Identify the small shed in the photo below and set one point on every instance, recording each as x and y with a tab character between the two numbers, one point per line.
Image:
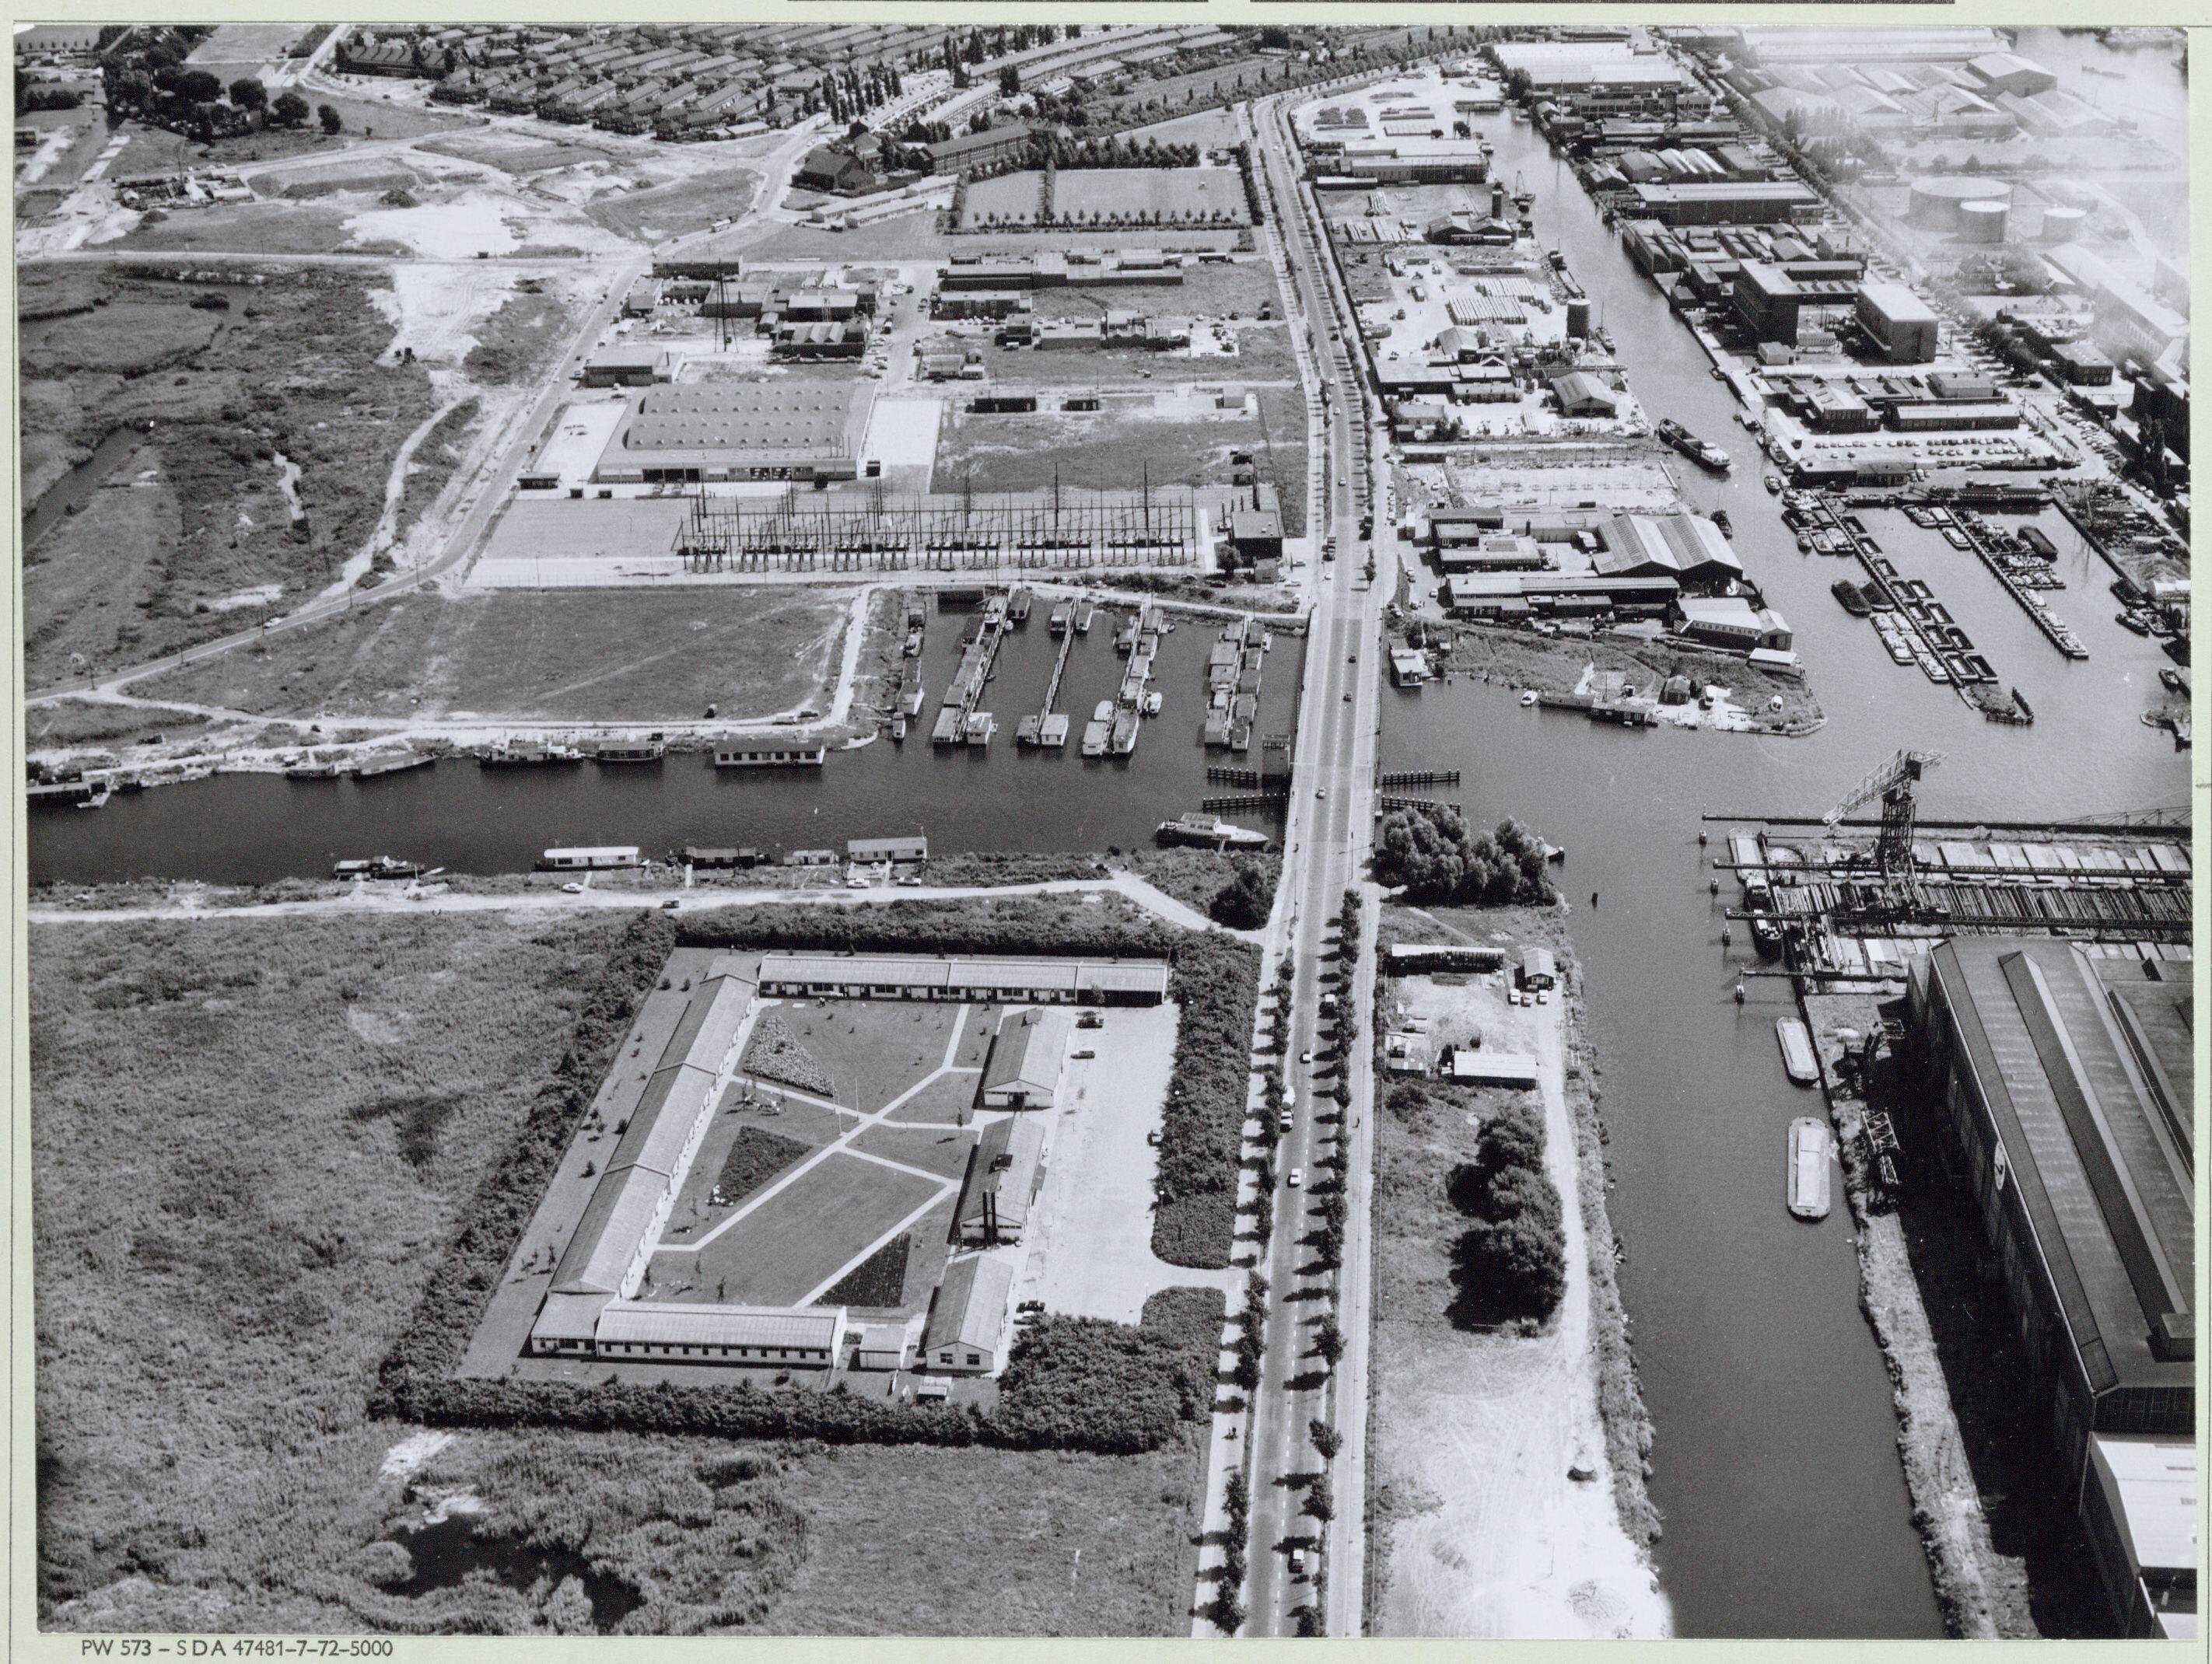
1538	969
882	1347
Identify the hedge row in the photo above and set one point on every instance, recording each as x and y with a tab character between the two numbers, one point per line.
1217	981
1073	1383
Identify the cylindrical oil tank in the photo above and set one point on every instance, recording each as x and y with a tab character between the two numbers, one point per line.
1578	320
1936	197
2063	225
1983	222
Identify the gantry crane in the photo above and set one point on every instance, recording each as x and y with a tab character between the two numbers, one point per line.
1892	783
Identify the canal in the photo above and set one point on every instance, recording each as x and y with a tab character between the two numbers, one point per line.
1775	1463
256	828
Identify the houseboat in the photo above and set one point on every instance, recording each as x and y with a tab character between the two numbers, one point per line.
527	756
1808	1168
631	751
383	866
590	857
760	756
1797	1055
392	763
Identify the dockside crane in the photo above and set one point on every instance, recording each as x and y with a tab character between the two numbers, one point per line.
1892	783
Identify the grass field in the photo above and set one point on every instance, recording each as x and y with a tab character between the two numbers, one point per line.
550	655
944	1152
1135	197
795	1239
945	1101
126	578
663	211
326	1094
874	1049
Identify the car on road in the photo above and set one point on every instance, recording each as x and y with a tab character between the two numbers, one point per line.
1297	1562
1283	1122
670	905
1084	1054
1306	1056
1297	1178
571	889
1322	791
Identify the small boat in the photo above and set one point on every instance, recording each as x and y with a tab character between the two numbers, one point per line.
1063	615
313	771
1955	538
97	799
1797	1055
1152	702
2133	620
1527	695
1766	936
1209	832
1720	519
1853	598
1772	482
1808	1168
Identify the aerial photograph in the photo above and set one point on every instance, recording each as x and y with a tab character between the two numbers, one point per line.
1554	1002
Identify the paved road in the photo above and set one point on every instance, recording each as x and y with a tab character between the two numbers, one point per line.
1330	823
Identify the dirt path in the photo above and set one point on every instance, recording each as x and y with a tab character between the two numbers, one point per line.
1477	1435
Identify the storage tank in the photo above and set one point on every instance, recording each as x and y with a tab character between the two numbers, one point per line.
1578	320
1498	199
1983	222
1936	199
2063	225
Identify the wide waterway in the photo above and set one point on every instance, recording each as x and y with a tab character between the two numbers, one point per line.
1776	1463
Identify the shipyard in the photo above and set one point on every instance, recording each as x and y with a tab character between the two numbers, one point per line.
1261	780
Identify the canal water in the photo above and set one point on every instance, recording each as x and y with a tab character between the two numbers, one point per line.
1775	1463
247	829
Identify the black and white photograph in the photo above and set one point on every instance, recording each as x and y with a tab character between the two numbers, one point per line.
1035	828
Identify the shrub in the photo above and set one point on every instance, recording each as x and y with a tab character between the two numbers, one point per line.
776	1054
1245	901
1511	1262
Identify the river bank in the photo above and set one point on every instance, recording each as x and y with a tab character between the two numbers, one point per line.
1492	1510
1563	664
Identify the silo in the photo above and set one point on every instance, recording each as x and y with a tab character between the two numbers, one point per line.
1936	199
1498	199
1578	320
2063	225
1983	222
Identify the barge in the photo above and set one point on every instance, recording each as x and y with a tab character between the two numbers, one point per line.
1797	1055
1707	455
1808	1168
752	756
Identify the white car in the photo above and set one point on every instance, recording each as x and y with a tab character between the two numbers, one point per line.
571	889
1297	1177
1543	997
1306	1056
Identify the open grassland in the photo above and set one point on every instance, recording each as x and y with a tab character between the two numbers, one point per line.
663	211
796	1239
550	655
297	366
1133	198
248	1144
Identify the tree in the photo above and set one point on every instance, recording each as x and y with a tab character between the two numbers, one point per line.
1329	1340
197	86
1326	1439
1010	81
247	93
1321	1500
1242	903
289	110
328	117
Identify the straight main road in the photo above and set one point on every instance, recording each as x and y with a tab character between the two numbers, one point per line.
1330	823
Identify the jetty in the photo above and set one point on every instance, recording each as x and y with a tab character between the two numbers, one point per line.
1980	539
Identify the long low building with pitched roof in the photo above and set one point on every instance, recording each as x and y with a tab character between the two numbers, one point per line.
1038	979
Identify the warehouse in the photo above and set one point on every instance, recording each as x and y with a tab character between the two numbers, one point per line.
1473	1065
968	1317
626	366
1026	1057
1730	621
1723	202
1510	595
735	430
1582	394
606	1255
928	976
2063	1083
1900	324
762	1336
1003	1173
1687	548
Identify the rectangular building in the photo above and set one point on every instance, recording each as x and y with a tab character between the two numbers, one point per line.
1901	323
967	1319
1003	1173
1722	202
1027	1054
1034	981
2063	1081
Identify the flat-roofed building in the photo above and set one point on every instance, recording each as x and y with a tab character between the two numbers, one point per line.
735	430
1767	302
809	1337
967	1319
898	851
626	366
1722	202
1900	324
1002	1180
1027	1054
2063	1081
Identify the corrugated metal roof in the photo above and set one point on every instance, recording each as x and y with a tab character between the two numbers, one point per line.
710	1022
971	1305
655	1322
606	1237
1028	1051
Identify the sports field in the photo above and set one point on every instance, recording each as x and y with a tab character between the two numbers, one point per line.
1134	197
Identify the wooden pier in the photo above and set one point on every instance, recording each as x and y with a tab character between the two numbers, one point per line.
1247	800
2054	631
1419	777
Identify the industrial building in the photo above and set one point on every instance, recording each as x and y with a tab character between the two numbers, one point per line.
1687	548
1515	597
626	366
1038	980
1900	324
1598	79
2062	1081
968	1317
1026	1057
1724	202
1003	1173
1731	621
606	1255
735	430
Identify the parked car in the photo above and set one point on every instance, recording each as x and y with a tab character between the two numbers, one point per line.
571	889
1297	1177
1297	1562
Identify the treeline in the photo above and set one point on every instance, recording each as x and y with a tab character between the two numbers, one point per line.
1509	1264
151	82
1217	982
1436	856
